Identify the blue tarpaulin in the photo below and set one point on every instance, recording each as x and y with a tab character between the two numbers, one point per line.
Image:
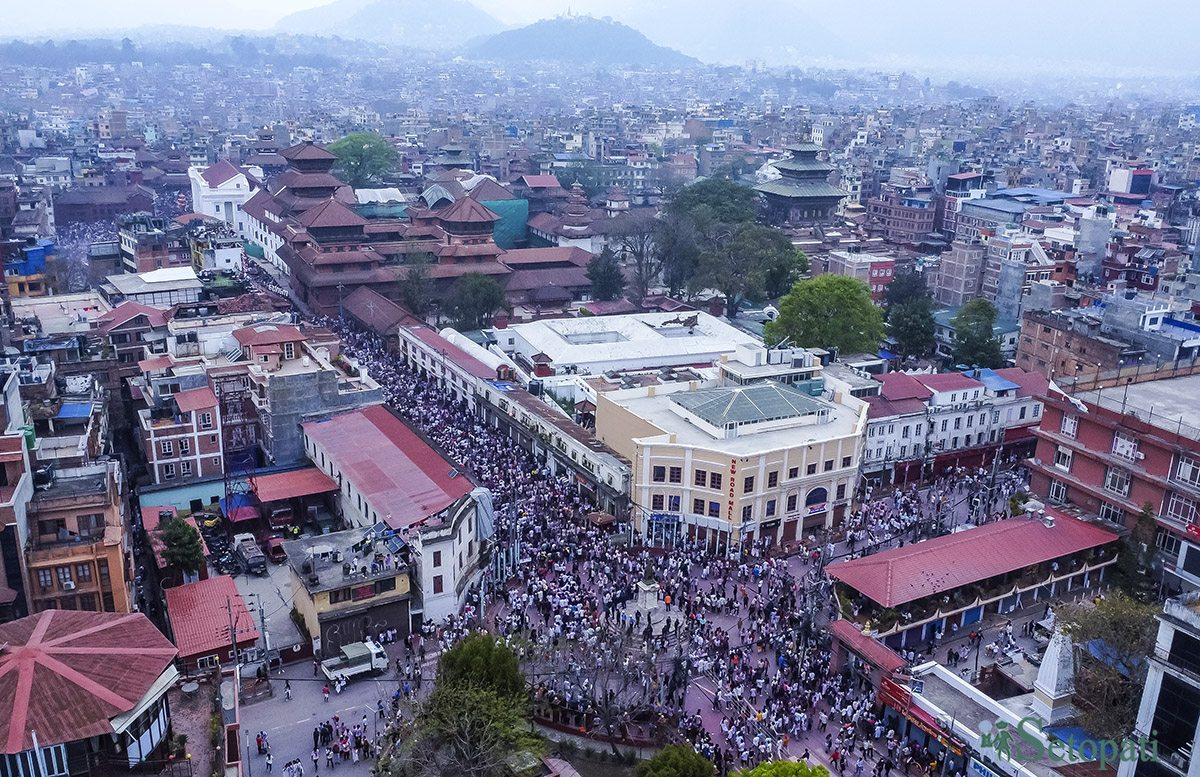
75	410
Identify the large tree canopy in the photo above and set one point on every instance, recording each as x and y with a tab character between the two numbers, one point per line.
472	300
729	202
975	343
829	311
604	271
363	157
747	261
181	545
676	761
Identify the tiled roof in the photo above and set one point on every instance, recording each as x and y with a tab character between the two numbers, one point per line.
306	150
330	213
784	187
376	311
948	381
1029	384
65	674
903	575
467	211
267	334
393	468
195	399
899	385
540	181
874	651
219	173
127	311
200	616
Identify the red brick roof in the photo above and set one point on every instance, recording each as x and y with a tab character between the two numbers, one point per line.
195	399
948	381
1032	384
127	311
65	674
219	173
330	213
874	651
393	468
467	211
286	485
898	386
455	354
200	615
902	575
306	150
268	334
540	181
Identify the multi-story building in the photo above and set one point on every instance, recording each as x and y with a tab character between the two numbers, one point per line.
25	265
920	424
960	188
222	189
181	435
1169	714
729	466
152	243
904	214
394	480
216	247
802	196
1113	451
1070	343
127	328
77	555
875	270
960	273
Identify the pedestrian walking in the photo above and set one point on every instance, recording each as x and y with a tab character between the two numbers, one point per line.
270	762
325	692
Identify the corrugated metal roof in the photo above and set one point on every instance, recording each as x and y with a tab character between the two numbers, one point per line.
287	485
200	616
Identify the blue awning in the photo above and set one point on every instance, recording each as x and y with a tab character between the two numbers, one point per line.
887	355
990	379
75	410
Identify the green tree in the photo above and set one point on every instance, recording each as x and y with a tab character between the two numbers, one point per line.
785	769
181	545
586	172
416	289
1134	571
472	300
676	761
677	247
730	202
484	662
913	327
461	729
363	157
740	260
975	343
905	287
604	271
829	311
1115	636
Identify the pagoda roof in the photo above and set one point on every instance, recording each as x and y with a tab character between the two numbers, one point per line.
466	210
791	187
307	150
330	213
804	147
802	165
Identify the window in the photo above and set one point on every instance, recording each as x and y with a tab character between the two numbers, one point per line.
770	507
714	509
1024	410
167	448
793	473
185	468
437	584
846	460
698	506
64	574
904	432
185	446
83	572
1110	513
1181	509
714	480
829	465
1037	410
437	558
45	578
995	416
958	422
811	469
944	424
676	475
791	503
659	475
701	478
673	503
917	430
656	502
954	442
1058	491
841	491
970	421
747	512
90	525
748	485
1188	471
102	568
205	420
168	471
1117	481
1062	458
289	350
772	479
51	527
1070	426
1124	445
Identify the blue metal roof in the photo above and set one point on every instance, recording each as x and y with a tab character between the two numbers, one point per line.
886	355
75	410
991	380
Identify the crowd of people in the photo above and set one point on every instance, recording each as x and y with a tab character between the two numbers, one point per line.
735	633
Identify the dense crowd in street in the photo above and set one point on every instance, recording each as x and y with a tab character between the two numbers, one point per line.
735	635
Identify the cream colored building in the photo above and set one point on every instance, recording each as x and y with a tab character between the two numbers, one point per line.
732	464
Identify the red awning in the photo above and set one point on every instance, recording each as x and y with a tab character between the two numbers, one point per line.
289	485
874	652
239	514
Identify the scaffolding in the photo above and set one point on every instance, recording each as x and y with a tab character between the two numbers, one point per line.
239	437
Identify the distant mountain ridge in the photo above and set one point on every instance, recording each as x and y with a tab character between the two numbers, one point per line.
423	24
578	40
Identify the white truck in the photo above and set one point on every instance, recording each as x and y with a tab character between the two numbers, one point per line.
252	555
355	659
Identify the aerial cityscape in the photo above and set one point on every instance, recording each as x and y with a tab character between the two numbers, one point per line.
540	389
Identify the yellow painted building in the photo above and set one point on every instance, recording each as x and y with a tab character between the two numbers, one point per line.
766	462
